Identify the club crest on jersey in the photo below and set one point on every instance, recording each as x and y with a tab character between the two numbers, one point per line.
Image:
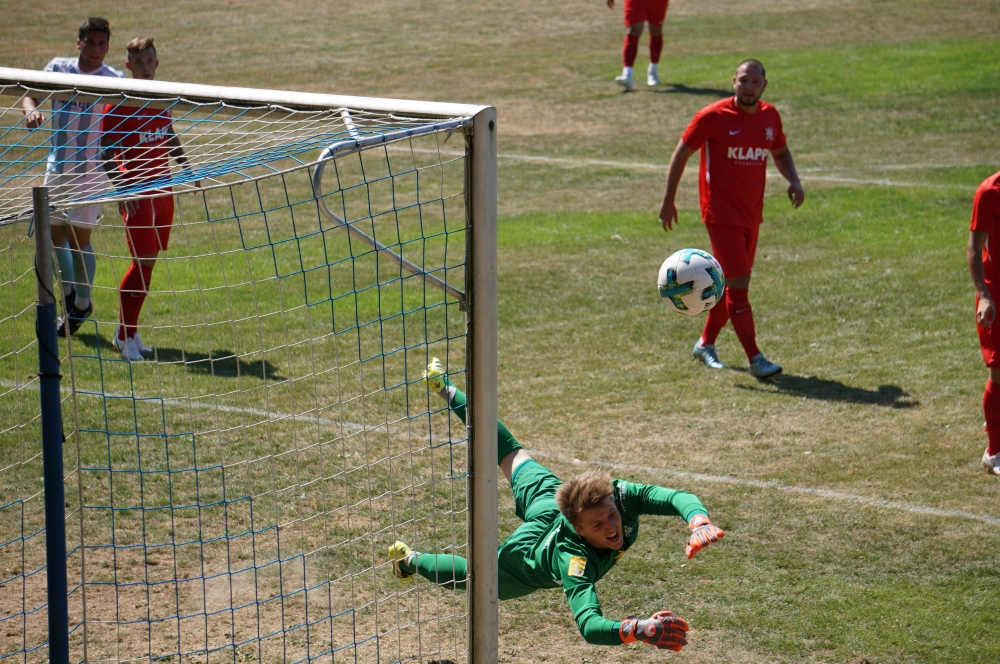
748	154
576	566
769	134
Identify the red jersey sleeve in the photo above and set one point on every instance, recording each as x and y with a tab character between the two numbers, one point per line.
696	133
985	210
111	123
779	135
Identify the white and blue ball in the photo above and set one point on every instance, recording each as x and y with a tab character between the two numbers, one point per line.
691	281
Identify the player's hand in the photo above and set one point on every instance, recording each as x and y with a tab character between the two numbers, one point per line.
668	215
986	311
664	629
34	120
796	194
126	208
703	533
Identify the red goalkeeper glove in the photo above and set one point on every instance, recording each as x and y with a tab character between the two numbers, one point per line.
703	533
664	629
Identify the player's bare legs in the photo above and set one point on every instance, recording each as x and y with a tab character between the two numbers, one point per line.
629	51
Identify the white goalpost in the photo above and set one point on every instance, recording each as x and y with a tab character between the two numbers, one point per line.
231	497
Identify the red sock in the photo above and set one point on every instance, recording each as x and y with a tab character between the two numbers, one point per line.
991	409
630	49
655	47
718	316
132	294
738	306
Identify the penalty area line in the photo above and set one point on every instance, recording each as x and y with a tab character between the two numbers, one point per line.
774	486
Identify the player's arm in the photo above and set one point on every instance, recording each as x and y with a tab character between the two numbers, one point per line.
108	156
986	310
663	629
33	118
786	166
652	499
668	211
176	150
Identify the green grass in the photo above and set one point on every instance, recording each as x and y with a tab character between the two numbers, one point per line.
862	295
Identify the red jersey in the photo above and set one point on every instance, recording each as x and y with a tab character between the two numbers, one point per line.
139	136
734	148
986	219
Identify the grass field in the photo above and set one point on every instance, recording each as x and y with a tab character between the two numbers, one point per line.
859	526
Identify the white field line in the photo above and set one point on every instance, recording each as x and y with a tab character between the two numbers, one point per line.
774	486
804	173
646	470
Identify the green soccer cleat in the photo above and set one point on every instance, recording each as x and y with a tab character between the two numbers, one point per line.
436	377
707	355
398	552
761	367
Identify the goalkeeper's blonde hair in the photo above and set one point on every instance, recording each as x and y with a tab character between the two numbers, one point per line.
583	491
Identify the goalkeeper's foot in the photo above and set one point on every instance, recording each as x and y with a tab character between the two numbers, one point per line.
707	355
400	552
991	463
437	380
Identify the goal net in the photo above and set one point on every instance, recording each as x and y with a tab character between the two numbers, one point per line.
232	497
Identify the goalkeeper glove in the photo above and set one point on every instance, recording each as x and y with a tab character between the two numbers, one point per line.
703	533
664	629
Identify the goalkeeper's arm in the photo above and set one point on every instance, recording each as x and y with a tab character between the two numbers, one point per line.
651	499
663	629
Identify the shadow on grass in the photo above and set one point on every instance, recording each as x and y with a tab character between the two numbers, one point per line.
222	363
681	89
811	387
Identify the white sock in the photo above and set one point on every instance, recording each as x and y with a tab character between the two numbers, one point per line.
627	72
653	67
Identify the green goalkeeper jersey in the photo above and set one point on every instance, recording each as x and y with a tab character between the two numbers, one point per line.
547	552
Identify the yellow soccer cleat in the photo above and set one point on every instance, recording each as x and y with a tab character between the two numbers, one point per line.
397	553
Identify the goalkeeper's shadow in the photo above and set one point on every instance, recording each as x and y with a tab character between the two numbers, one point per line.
217	362
813	387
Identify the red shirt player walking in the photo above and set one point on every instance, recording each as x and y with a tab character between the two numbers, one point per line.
135	144
986	278
735	136
638	13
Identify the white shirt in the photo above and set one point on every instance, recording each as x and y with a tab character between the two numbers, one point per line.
76	125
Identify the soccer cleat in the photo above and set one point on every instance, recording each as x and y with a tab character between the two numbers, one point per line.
398	552
143	348
127	348
707	355
760	367
652	76
626	82
991	463
73	320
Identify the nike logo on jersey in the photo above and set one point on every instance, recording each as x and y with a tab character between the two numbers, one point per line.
733	133
748	154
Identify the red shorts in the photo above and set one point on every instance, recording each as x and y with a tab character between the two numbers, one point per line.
989	339
148	228
734	247
640	11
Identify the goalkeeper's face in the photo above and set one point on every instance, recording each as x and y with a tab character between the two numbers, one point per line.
601	525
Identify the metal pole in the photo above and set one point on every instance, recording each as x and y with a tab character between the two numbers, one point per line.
52	433
482	298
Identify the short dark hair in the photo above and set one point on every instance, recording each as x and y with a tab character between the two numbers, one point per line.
752	61
94	24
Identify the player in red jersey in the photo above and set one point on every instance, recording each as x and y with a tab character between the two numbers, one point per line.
735	136
986	279
135	144
637	13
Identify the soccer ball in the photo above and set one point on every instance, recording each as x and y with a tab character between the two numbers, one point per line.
691	281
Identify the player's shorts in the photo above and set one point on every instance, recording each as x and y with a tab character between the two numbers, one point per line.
734	247
534	488
148	228
66	187
989	338
645	11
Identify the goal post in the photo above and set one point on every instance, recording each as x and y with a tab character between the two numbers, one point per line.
232	495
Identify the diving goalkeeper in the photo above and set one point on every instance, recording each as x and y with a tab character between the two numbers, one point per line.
573	533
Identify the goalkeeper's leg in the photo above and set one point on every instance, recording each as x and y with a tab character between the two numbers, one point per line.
510	454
